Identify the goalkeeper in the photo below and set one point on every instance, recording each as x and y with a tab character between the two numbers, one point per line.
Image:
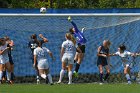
81	42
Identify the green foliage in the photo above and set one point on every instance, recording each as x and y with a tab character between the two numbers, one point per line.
71	3
29	3
108	3
137	4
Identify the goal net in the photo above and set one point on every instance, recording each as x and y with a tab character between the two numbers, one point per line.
118	28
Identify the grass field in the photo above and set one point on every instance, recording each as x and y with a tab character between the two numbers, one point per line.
75	88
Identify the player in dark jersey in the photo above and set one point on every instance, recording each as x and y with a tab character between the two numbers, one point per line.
102	61
10	44
81	42
32	45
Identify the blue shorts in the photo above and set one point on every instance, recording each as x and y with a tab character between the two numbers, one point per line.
11	61
102	61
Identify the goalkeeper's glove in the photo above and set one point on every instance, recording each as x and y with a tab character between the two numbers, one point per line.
69	19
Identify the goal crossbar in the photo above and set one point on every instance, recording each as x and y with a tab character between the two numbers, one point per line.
76	14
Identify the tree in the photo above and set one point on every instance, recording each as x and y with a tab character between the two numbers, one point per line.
70	3
137	4
107	4
3	4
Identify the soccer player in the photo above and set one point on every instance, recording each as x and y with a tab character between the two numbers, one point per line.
32	45
4	60
40	60
10	44
81	41
67	56
127	64
103	58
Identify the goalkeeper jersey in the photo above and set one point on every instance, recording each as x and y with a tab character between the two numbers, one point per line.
78	35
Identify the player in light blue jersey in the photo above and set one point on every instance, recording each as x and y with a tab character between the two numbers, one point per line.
40	60
32	45
4	60
81	42
67	56
127	64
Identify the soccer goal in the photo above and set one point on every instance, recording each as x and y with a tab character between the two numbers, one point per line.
119	28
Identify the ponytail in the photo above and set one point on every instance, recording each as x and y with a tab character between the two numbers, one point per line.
70	37
73	40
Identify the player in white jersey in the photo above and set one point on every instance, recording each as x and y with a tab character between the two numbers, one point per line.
40	56
4	60
10	44
127	64
67	56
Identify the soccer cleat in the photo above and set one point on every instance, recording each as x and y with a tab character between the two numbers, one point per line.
38	81
75	74
10	82
0	81
69	83
59	82
51	83
104	81
129	82
101	83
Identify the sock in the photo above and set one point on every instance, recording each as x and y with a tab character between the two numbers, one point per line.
50	78
106	76
127	77
3	74
37	73
101	77
12	76
77	67
37	77
8	76
61	75
0	75
43	76
70	76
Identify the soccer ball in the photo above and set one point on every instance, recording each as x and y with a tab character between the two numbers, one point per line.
43	10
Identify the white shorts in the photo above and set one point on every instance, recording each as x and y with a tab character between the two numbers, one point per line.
68	59
4	60
43	64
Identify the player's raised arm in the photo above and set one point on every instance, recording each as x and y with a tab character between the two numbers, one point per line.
44	38
74	25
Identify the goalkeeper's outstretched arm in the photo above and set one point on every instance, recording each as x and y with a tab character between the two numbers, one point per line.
74	25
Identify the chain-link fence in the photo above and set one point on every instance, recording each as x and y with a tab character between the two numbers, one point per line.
118	29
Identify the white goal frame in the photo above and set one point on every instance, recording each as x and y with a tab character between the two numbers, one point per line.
71	14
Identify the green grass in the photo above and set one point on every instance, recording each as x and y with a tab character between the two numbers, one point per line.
75	88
